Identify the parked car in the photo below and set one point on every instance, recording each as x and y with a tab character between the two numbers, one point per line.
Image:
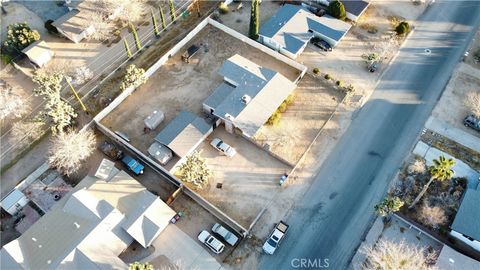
472	122
223	147
211	242
275	238
228	236
133	165
322	44
160	152
111	151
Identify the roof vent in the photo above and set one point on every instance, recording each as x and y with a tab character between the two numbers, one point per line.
76	225
229	117
246	99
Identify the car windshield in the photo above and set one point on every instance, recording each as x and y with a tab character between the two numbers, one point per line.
219	144
271	242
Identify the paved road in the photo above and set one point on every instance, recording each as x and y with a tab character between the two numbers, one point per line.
332	217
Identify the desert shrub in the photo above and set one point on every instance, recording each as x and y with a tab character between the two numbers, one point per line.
12	103
388	255
223	8
432	216
274	118
402	28
338	83
134	77
327	76
81	75
316	71
337	10
283	107
417	167
195	170
25	132
289	100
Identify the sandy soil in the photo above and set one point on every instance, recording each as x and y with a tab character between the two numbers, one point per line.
178	86
249	179
239	20
450	108
315	101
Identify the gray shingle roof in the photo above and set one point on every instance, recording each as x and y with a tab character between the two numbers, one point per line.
290	26
183	133
266	88
355	7
467	220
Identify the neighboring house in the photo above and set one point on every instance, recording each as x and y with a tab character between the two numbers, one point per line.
466	226
292	27
355	8
249	95
90	227
14	202
184	133
75	25
39	53
449	259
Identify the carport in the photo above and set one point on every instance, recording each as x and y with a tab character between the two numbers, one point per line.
184	133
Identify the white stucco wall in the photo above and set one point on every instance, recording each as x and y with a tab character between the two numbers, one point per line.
474	244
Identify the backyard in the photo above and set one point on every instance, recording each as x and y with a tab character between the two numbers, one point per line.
178	86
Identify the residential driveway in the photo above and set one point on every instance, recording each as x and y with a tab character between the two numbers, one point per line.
181	250
249	179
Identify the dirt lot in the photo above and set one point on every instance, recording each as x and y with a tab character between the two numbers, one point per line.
196	219
239	20
450	108
178	86
315	101
249	179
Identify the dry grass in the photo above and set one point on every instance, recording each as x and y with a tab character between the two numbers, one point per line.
472	101
432	216
387	255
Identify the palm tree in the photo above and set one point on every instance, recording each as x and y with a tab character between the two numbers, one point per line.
440	170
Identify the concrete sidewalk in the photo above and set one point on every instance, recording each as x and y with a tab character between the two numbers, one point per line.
453	133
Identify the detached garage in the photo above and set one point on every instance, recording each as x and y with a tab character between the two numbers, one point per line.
184	133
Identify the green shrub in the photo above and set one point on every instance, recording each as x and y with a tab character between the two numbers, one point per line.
19	36
327	77
223	8
6	58
339	83
316	71
402	28
337	10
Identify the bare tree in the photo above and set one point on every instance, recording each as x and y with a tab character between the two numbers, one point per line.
69	149
102	27
432	216
25	132
12	103
388	255
472	101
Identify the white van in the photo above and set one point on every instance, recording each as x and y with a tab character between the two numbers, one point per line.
211	242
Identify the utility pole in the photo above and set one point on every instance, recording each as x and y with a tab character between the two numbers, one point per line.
76	95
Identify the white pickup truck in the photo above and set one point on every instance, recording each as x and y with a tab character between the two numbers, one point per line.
275	237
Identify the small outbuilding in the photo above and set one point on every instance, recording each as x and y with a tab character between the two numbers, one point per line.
39	53
14	202
354	8
184	133
75	25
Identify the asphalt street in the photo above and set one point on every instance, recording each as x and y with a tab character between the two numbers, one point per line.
331	219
